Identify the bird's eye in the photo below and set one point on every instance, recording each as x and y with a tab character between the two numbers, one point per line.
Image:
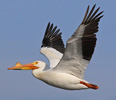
36	62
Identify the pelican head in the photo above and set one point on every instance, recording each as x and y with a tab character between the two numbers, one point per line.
37	67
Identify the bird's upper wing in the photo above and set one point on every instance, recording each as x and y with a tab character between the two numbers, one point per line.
80	46
52	45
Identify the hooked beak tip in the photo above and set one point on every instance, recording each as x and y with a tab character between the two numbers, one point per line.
9	68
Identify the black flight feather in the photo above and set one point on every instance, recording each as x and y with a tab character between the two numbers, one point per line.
53	38
91	21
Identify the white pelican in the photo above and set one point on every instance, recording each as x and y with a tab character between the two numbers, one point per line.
67	66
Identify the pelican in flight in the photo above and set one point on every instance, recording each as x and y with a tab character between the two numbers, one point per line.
67	65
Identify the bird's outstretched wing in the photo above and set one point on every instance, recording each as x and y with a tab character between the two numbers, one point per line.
80	46
52	45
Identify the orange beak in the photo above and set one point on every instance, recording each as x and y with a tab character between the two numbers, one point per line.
19	66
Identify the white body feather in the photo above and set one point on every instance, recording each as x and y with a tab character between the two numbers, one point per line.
60	80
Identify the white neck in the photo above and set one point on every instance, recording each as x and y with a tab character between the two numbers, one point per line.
37	72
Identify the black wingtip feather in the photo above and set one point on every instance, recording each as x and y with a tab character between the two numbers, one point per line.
53	39
88	18
90	14
91	20
85	14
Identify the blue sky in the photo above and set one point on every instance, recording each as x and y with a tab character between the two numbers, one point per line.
22	26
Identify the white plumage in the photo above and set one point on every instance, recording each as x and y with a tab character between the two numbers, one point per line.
53	55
